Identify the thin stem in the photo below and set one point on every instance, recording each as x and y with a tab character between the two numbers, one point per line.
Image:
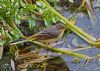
62	51
72	53
13	26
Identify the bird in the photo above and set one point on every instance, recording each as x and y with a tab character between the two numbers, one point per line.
48	35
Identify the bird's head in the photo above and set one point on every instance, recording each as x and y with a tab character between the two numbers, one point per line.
60	26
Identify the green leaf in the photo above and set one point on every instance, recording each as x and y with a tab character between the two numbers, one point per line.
13	35
54	1
2	31
29	7
32	23
8	36
2	10
46	22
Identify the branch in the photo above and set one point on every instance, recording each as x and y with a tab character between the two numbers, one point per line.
54	49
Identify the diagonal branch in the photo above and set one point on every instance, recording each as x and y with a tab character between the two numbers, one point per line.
54	49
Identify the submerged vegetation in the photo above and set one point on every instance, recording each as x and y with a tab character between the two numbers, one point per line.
21	20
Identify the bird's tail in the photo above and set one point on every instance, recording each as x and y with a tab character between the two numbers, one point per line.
22	40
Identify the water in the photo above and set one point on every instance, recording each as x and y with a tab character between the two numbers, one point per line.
85	24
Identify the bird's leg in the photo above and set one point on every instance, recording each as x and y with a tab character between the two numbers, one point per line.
47	52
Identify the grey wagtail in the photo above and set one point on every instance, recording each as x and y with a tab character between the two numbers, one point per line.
48	35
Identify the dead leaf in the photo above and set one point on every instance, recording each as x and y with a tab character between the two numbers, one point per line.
91	12
12	65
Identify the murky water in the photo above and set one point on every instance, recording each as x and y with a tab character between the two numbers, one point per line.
84	23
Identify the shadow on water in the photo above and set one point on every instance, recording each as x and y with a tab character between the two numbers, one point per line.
84	23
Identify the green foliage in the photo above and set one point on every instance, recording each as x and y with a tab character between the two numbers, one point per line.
5	37
49	17
12	12
32	23
55	1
